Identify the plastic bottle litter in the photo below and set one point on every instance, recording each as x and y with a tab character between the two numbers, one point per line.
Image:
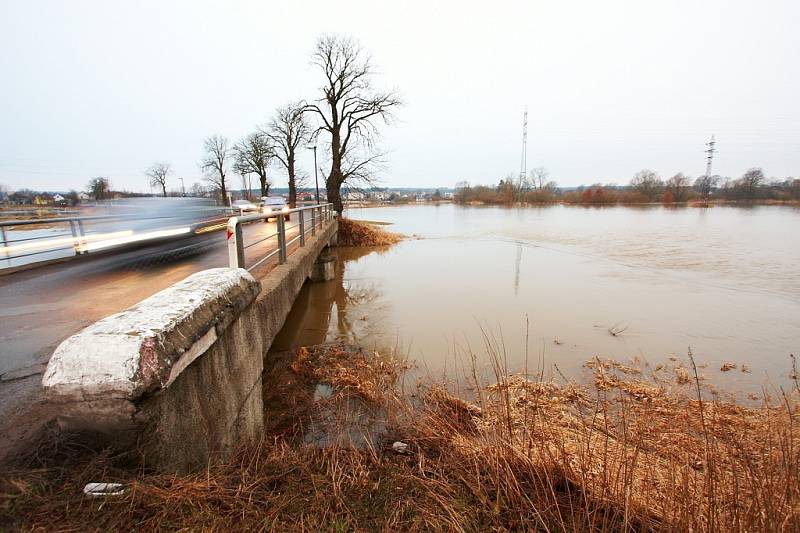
400	447
104	489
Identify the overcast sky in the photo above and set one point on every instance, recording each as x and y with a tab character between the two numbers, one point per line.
106	88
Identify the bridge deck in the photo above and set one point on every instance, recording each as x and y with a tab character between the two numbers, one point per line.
41	307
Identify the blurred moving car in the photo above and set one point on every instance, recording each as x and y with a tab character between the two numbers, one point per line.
244	206
274	205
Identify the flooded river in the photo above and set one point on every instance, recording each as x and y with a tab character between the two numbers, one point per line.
553	283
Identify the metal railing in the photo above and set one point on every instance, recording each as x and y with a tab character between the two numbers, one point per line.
319	216
51	242
74	233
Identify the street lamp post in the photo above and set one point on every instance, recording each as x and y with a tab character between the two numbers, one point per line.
316	177
183	187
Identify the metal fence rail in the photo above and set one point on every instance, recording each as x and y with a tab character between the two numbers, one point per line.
71	233
319	215
52	242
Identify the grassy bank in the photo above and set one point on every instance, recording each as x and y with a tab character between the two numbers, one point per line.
623	452
358	233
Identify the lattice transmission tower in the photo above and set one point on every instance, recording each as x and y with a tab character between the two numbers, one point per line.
523	167
711	150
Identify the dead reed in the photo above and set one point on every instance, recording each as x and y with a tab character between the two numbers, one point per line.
357	233
624	452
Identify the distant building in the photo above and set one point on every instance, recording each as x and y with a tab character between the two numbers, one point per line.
306	197
354	195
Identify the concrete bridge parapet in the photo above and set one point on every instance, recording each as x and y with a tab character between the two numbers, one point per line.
178	376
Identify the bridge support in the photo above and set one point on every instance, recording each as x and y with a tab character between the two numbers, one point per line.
324	268
177	377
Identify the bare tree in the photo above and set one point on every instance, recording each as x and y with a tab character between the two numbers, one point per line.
157	174
99	188
678	187
215	163
648	184
750	182
288	129
539	177
252	156
350	111
198	190
705	184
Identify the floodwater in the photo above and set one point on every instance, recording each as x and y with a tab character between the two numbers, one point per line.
551	284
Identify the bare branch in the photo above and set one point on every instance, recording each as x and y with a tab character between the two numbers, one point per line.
252	155
157	174
215	163
288	130
351	111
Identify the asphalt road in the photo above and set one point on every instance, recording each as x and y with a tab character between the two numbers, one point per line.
41	307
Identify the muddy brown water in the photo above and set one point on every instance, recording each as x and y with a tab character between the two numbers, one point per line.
548	283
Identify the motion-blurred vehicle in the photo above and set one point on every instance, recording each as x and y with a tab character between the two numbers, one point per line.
244	206
274	205
158	228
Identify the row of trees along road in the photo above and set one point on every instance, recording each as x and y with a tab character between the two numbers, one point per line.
345	118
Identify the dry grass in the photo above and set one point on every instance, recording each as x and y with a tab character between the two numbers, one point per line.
357	233
625	452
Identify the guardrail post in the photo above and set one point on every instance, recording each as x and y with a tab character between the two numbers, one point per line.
5	241
235	244
281	239
302	216
313	221
82	234
76	241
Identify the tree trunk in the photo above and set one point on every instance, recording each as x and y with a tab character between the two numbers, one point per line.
335	180
292	182
334	195
223	191
264	186
164	189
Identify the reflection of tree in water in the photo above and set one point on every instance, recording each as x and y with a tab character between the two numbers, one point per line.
310	320
349	297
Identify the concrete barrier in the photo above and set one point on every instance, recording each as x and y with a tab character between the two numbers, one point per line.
178	376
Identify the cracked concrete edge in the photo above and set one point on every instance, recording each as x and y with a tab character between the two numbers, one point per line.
134	352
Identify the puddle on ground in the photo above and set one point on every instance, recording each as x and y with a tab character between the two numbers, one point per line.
344	420
315	413
322	391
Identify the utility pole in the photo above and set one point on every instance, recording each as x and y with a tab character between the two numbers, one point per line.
183	187
711	150
316	177
523	167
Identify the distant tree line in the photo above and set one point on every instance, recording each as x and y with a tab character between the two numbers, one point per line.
97	189
645	187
